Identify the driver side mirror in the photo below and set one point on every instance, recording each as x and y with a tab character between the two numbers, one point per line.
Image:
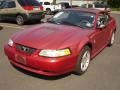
100	25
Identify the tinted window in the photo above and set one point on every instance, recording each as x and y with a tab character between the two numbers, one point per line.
90	5
99	6
84	5
11	4
46	3
67	5
8	4
21	2
41	3
2	4
29	3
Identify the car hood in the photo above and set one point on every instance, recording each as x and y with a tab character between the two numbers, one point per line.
49	36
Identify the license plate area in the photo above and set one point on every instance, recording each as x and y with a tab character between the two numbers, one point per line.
36	9
20	59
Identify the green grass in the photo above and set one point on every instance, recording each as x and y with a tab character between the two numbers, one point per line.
115	9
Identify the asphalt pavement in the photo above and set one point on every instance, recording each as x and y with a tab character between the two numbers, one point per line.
103	73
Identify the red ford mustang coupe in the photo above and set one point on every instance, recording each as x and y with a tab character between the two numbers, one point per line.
65	43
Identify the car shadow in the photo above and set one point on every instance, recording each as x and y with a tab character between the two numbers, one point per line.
41	76
33	22
1	28
26	23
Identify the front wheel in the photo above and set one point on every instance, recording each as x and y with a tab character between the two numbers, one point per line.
20	20
83	61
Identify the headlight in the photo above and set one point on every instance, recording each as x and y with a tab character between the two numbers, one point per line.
55	53
10	42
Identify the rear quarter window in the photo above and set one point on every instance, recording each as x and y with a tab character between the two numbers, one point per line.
11	4
28	2
22	2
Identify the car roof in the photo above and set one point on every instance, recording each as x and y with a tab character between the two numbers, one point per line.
91	10
7	0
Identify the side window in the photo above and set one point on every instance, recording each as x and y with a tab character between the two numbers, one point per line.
11	4
107	17
90	6
84	6
41	3
46	3
21	2
3	5
0	3
102	19
67	5
99	6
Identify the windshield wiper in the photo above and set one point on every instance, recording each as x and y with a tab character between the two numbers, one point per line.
69	23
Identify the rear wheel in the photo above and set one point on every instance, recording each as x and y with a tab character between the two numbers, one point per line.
20	20
0	18
48	11
38	21
83	61
112	40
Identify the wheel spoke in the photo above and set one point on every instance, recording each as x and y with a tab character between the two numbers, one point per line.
85	61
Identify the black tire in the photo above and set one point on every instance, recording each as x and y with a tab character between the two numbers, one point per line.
48	11
38	21
112	39
78	69
0	18
20	20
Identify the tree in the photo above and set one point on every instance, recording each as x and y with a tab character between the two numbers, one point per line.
54	1
70	2
114	3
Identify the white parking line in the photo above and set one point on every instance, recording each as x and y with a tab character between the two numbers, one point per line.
8	26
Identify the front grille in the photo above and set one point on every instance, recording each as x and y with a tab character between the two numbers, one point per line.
25	49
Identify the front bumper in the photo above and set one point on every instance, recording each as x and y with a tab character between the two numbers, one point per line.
41	65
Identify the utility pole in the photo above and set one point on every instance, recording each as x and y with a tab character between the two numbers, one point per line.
71	3
54	1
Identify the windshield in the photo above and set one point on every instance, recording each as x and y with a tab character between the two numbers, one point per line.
74	18
29	2
2	4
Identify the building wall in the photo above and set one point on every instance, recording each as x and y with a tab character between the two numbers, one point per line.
46	0
75	2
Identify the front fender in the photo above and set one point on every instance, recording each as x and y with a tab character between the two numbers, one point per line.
82	44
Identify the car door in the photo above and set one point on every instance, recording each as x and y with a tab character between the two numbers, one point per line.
2	9
101	35
10	9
